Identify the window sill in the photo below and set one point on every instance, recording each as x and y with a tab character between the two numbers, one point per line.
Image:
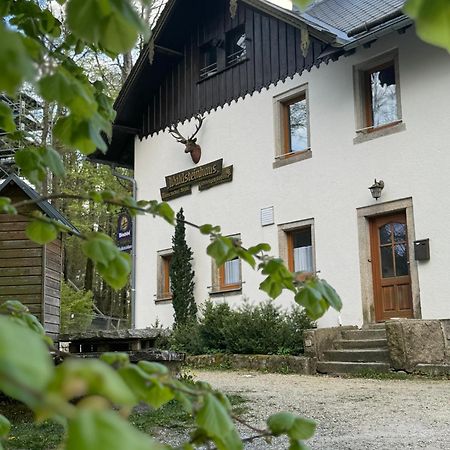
290	158
163	300
224	69
226	292
367	134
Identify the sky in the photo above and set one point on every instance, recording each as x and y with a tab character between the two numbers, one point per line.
283	3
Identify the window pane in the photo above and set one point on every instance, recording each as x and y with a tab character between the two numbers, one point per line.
302	250
387	263
401	260
298	126
399	232
385	234
232	272
384	96
236	45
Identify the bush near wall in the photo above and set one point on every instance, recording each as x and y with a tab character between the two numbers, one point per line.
263	329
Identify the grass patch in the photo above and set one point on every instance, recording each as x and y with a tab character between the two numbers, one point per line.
26	434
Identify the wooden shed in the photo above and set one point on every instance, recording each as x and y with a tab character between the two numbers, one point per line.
29	272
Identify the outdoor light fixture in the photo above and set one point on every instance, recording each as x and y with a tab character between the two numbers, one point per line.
376	189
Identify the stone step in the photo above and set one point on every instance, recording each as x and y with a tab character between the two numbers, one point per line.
434	370
359	343
364	334
375	326
339	367
358	355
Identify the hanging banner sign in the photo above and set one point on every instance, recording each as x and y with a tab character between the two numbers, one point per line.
125	232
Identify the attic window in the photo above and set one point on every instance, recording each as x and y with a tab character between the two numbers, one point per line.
208	60
236	45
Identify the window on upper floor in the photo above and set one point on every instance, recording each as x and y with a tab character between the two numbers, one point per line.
380	96
235	42
292	126
208	60
295	124
163	282
377	97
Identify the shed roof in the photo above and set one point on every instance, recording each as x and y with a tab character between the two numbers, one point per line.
47	208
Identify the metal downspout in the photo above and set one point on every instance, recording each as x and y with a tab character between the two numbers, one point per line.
133	245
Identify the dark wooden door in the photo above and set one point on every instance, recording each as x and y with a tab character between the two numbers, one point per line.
390	267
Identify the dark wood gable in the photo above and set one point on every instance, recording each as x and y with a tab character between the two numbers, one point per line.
166	86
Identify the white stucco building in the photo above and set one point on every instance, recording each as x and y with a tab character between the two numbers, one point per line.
304	146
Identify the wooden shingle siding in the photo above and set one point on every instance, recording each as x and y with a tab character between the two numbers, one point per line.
273	54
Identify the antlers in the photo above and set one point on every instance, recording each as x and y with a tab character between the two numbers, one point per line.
180	138
191	146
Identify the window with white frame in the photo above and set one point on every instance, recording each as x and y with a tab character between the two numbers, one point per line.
296	246
228	276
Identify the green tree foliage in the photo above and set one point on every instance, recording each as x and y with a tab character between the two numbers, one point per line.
181	275
76	309
92	398
251	329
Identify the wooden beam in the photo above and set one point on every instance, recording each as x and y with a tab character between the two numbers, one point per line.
125	129
168	51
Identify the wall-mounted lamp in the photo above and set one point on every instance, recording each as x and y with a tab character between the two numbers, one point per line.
376	189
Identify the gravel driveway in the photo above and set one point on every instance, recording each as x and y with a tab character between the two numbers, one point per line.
351	413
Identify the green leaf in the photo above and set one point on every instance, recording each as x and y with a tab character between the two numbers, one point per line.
297	445
311	299
302	429
432	20
83	134
100	248
215	421
114	25
53	161
259	248
5	426
25	363
152	368
31	164
146	388
76	378
329	294
280	423
115	359
219	249
116	272
6	118
209	229
6	207
69	91
16	65
302	4
41	232
105	430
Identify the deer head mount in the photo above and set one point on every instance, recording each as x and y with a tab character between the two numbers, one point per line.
191	143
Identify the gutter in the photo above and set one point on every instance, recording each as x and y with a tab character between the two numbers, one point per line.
133	245
367	26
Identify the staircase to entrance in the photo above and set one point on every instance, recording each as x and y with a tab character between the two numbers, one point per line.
357	351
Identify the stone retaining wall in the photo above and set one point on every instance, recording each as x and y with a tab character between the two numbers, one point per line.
413	343
302	365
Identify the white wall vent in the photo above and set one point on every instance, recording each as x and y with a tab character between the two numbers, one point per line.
267	216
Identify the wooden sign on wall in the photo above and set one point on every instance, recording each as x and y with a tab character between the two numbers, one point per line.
206	176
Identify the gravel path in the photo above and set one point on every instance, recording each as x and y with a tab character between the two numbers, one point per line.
351	413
